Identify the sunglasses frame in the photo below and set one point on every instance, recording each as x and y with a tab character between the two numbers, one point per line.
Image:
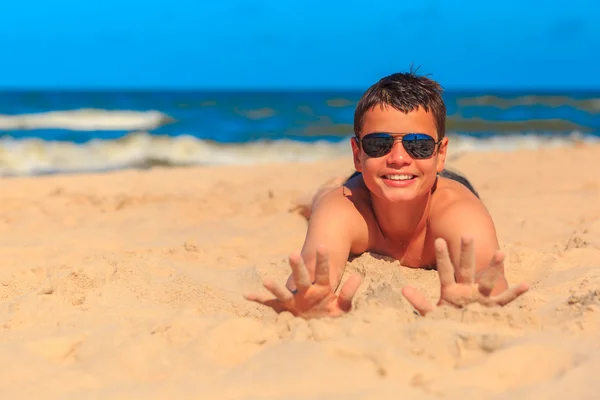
399	137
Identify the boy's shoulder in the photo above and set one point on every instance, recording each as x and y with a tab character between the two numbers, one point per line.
453	204
346	208
449	191
350	198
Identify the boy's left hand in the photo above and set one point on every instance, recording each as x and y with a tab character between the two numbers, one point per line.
458	286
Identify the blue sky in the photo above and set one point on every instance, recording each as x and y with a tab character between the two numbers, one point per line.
293	44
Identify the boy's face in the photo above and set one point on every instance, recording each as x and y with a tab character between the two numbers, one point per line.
378	172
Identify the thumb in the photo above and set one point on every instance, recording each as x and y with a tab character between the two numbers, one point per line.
348	291
417	300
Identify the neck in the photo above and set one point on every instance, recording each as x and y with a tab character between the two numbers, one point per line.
400	222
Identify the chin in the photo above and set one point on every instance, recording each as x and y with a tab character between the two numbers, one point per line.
398	195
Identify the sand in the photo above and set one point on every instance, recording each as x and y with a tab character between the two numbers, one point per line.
128	285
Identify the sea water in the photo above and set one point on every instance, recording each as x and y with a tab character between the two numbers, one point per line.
56	132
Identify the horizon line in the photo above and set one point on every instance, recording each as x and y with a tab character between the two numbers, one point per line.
291	90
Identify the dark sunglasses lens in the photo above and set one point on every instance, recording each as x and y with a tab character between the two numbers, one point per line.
418	146
377	145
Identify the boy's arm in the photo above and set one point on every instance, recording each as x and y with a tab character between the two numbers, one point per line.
333	225
317	270
469	218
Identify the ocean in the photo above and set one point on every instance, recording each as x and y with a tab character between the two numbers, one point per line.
73	132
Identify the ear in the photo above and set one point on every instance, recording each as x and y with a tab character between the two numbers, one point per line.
356	153
441	155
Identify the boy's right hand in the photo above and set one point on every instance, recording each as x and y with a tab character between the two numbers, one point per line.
310	300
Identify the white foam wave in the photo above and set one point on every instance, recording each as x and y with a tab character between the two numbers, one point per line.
34	156
86	120
511	142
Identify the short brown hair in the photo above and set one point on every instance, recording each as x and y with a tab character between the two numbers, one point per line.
404	92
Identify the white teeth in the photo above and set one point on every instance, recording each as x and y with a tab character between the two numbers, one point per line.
399	177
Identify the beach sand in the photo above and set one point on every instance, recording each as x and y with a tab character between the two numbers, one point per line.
128	285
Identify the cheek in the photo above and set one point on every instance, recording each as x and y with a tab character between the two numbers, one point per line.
428	169
372	166
371	184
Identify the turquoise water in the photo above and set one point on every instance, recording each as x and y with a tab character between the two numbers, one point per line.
44	132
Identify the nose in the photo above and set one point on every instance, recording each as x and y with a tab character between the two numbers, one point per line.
398	156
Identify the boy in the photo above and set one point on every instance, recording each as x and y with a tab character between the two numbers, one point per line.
399	204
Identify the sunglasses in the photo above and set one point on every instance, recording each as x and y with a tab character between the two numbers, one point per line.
417	145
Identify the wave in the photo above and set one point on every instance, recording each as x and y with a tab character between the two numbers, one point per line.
86	120
591	105
143	150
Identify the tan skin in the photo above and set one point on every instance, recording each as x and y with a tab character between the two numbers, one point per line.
432	221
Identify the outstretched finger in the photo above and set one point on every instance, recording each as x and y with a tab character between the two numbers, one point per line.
510	294
280	292
348	291
443	263
266	301
489	277
487	281
322	267
465	271
300	273
417	300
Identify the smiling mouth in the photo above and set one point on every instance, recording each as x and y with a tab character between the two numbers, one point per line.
399	177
